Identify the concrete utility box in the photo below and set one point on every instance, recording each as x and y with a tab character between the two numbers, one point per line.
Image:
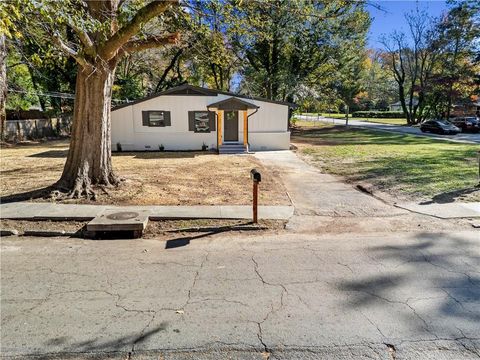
113	220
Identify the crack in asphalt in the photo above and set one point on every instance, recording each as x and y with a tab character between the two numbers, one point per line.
194	282
405	303
474	350
429	261
457	301
372	323
219	299
268	352
347	266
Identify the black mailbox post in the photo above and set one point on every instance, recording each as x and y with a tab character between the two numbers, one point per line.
256	178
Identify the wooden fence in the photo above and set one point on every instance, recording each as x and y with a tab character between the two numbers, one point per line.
19	130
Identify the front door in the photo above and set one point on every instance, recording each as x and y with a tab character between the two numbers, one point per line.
231	126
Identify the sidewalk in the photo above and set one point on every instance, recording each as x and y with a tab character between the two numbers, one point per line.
52	211
445	211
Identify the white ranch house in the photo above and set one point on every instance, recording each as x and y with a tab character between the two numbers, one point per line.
187	117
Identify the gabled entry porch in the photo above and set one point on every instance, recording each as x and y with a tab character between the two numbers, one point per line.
232	116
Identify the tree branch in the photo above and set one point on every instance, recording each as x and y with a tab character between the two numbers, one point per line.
150	42
122	36
85	39
69	51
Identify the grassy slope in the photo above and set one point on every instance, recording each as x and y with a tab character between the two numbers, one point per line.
403	165
376	120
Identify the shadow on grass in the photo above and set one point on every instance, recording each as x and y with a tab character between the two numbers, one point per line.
422	173
417	166
28	195
58	154
162	154
451	196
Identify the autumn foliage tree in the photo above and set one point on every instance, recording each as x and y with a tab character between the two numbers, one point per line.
97	34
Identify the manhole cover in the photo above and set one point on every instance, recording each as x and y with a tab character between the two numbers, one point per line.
125	215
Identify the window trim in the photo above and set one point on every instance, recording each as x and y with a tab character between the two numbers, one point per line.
195	120
163	123
192	121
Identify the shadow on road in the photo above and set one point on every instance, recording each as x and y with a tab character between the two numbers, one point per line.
208	231
443	271
124	343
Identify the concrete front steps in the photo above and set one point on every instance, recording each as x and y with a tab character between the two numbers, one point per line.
232	149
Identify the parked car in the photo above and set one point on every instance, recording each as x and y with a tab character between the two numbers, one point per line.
467	124
439	127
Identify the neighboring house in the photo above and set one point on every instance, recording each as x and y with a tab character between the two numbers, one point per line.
398	105
466	109
187	117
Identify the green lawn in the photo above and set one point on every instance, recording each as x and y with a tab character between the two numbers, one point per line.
375	120
407	166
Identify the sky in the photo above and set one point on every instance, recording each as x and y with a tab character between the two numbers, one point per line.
391	16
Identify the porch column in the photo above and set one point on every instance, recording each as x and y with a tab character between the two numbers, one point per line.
219	127
245	128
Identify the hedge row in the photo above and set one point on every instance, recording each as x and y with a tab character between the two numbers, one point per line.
379	114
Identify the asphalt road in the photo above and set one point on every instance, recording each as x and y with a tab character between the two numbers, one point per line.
350	278
462	137
285	296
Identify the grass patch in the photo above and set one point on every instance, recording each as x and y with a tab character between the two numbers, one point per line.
405	166
373	120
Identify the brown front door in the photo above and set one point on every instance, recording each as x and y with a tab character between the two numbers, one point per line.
231	126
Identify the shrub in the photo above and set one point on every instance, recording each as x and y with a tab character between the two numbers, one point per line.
379	114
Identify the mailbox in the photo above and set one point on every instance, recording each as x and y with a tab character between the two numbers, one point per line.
255	175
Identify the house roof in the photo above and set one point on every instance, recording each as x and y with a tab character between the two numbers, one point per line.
233	103
399	103
191	90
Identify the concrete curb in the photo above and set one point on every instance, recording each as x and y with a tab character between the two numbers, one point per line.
81	212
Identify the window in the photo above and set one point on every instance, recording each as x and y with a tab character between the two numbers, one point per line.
201	121
156	118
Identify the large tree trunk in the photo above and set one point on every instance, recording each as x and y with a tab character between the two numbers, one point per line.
89	161
3	86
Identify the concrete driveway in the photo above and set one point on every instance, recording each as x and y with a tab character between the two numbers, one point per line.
350	278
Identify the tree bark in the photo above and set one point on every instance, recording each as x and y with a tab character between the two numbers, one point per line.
3	86
89	161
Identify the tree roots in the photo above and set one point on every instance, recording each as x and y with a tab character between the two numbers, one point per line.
82	188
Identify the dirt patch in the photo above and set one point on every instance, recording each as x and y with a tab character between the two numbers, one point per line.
191	228
165	229
150	178
23	225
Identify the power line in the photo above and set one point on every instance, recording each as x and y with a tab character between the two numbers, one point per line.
56	94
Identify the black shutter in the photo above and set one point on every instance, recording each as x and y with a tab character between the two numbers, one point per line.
191	121
145	116
166	118
211	120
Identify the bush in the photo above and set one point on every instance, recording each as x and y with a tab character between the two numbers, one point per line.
379	114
